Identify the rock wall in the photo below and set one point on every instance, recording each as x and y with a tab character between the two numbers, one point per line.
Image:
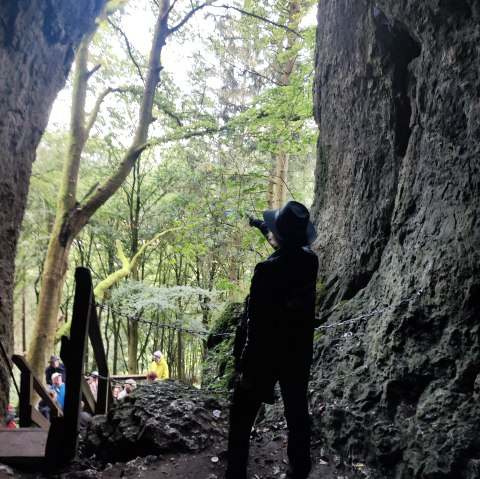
397	103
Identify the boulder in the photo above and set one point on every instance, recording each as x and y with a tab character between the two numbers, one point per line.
167	416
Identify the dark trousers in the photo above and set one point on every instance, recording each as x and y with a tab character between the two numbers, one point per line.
243	411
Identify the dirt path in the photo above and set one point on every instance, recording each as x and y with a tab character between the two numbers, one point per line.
268	460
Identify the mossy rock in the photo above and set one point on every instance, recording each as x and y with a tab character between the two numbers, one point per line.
218	372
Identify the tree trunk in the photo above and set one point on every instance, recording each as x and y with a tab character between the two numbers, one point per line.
180	372
281	178
37	41
71	216
280	183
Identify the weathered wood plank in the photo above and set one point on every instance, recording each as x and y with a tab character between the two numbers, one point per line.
88	398
39	419
122	377
22	444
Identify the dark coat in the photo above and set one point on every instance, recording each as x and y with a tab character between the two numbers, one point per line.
281	311
49	370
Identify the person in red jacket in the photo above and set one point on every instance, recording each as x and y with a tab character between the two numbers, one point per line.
10	423
281	314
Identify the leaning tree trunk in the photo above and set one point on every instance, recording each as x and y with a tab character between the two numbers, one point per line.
37	41
73	216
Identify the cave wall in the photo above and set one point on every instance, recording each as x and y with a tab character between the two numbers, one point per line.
397	103
37	42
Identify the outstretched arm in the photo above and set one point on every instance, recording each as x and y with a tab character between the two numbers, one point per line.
262	226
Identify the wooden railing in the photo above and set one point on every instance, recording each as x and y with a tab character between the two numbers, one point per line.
63	430
62	443
29	385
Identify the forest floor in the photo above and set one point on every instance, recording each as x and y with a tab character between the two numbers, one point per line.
268	460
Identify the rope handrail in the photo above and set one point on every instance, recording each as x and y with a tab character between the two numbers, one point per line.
375	312
131	317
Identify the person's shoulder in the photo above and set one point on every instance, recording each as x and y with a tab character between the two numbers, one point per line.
267	265
309	252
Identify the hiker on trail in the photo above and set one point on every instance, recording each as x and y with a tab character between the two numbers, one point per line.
128	386
93	383
159	365
55	366
59	387
280	323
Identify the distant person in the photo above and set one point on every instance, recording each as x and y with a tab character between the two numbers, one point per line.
279	341
84	421
55	366
159	365
128	386
116	391
151	377
93	383
10	422
45	409
59	387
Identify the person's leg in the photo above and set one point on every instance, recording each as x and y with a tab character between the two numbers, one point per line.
243	411
294	394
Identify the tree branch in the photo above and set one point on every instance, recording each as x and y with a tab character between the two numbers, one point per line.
185	136
93	115
130	53
259	17
189	15
92	71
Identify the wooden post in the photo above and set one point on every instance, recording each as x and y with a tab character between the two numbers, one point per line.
62	443
25	403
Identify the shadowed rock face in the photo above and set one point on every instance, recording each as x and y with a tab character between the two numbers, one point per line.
397	200
167	416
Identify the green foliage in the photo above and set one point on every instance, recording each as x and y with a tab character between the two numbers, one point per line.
137	297
208	163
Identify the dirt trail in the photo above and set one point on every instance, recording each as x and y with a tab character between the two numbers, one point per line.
268	460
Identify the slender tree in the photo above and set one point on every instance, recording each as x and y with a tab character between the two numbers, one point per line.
73	215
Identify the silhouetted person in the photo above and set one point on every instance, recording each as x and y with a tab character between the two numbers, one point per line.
279	342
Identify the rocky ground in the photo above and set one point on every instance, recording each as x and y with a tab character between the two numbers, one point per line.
174	430
267	461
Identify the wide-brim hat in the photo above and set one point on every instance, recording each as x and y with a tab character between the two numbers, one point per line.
291	224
